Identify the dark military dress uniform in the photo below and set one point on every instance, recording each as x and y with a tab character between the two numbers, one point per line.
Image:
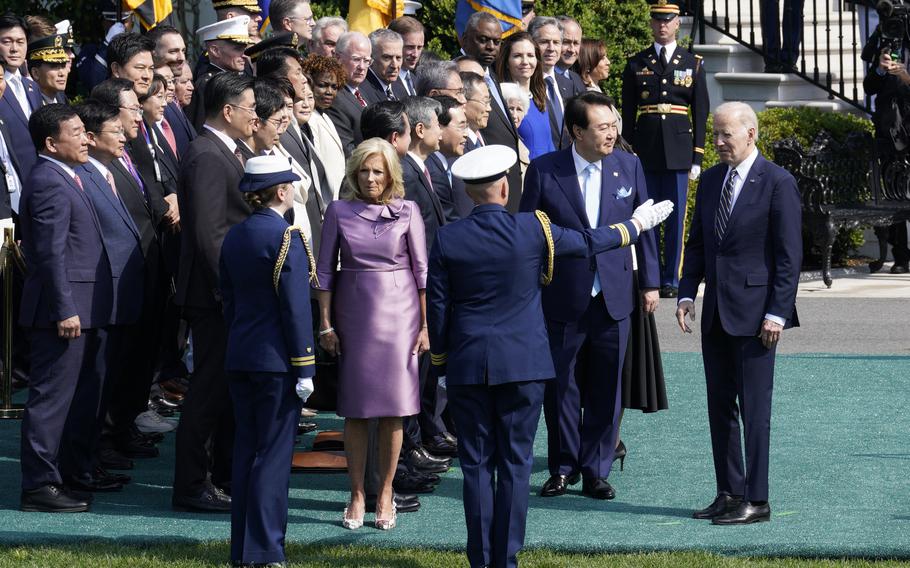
266	268
665	113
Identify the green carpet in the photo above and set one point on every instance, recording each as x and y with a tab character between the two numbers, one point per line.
839	465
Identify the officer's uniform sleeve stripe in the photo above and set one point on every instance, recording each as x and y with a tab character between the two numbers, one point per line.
544	220
438	359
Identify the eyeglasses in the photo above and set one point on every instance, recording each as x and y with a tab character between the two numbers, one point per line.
118	132
484	102
310	19
278	123
357	60
135	110
250	110
455	91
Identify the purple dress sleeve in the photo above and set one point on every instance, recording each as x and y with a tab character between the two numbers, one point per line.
417	247
328	248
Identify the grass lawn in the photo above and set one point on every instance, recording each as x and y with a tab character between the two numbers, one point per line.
103	555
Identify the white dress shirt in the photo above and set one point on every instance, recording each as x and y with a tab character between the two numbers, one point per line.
671	49
17	86
228	141
13	183
65	167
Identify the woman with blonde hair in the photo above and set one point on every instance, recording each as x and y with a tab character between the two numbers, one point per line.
373	314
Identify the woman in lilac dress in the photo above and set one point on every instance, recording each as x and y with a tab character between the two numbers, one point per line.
373	314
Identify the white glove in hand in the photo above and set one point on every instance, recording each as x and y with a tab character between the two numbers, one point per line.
115	30
650	214
694	172
441	381
304	388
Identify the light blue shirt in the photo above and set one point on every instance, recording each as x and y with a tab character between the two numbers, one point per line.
589	181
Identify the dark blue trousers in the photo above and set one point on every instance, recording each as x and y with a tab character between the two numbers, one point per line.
576	441
266	411
496	428
739	370
672	185
787	53
64	393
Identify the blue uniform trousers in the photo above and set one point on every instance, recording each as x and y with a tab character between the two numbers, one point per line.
585	442
672	185
64	392
739	369
496	427
266	413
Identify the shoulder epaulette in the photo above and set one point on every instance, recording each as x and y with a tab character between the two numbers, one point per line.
283	254
547	275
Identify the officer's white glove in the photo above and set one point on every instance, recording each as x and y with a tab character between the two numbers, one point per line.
694	172
115	30
650	214
441	381
304	388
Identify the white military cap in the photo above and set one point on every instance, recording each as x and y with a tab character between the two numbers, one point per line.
261	172
234	29
484	164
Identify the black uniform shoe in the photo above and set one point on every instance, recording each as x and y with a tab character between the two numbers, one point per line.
441	447
101	473
900	269
93	484
745	514
598	489
558	484
410	483
51	499
209	500
404	503
109	458
421	460
304	427
668	292
722	504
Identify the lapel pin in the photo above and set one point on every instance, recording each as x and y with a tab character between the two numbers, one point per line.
615	174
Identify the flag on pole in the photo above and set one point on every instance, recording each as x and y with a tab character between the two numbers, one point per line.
365	16
150	12
264	6
508	12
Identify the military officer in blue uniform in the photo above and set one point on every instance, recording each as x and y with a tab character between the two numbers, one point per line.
489	341
664	117
266	271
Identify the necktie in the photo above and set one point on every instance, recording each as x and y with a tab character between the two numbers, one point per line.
110	180
389	94
592	209
359	98
479	139
663	57
169	136
129	166
426	173
19	90
78	182
554	101
239	156
409	84
725	207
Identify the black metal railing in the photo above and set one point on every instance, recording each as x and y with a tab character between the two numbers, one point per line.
835	68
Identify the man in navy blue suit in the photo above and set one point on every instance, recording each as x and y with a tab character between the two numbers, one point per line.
66	303
488	337
589	184
123	243
745	242
22	96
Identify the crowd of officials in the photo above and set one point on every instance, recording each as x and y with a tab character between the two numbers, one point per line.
176	221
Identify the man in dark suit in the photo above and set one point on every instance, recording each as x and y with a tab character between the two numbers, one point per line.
483	268
382	82
589	184
170	50
745	242
481	40
413	37
124	248
210	205
354	53
66	303
22	96
547	34
451	147
571	45
10	172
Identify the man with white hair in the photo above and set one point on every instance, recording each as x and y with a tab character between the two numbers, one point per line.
292	16
382	82
353	51
571	45
325	35
745	243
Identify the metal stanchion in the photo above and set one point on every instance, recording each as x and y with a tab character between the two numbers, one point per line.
9	253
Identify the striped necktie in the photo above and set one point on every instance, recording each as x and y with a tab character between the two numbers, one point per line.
725	207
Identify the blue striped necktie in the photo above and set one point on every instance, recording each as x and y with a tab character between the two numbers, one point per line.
725	207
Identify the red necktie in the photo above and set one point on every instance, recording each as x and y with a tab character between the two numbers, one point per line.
480	139
78	181
426	172
110	180
239	156
169	136
360	99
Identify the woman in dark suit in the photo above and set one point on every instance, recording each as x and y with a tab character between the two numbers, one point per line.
266	268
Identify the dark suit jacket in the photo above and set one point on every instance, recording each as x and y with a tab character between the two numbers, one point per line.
754	270
373	91
68	269
17	123
571	85
568	88
144	163
438	166
417	189
500	130
345	115
184	133
6	209
123	245
551	185
210	204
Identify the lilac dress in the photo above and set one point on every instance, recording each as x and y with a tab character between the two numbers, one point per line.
375	307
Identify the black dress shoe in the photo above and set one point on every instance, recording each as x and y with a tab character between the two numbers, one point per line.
421	460
900	269
409	483
404	503
745	514
441	447
598	489
668	292
51	499
209	500
109	458
305	427
558	484
774	68
136	447
93	484
450	438
425	477
101	473
722	504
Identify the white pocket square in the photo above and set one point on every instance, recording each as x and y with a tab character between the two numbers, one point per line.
623	192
